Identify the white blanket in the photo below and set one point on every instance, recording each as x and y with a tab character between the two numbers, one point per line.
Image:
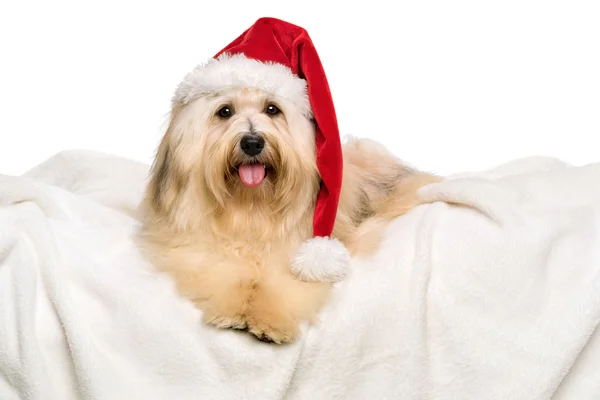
491	291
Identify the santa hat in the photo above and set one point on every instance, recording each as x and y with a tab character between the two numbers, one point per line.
280	58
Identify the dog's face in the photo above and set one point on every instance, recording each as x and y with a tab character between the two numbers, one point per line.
240	148
257	146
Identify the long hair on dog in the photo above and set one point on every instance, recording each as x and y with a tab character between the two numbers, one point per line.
232	195
195	183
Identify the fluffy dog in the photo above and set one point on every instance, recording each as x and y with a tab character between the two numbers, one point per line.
232	195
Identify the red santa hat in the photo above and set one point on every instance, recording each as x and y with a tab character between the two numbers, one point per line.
280	58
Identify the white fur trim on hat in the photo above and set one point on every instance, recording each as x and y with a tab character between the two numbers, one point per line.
321	259
232	71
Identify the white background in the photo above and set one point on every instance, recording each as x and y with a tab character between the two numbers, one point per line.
448	85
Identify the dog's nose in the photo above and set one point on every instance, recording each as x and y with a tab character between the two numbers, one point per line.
252	144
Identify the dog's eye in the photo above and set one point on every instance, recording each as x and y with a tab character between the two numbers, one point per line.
225	112
272	110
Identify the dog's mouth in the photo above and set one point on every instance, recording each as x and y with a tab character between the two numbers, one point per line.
253	174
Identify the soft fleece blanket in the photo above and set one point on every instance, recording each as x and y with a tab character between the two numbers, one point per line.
489	291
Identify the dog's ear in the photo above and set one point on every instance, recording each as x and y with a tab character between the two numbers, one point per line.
167	179
159	174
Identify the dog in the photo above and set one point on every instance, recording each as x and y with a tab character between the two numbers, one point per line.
231	195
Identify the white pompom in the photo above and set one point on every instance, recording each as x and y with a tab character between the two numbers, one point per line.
321	259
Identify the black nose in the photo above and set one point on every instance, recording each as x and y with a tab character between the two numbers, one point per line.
252	144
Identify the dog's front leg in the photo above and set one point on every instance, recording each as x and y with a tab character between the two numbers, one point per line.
222	291
268	302
280	303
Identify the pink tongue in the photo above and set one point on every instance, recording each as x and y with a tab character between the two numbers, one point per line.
252	175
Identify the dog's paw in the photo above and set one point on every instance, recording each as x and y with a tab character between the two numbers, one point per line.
225	322
271	321
276	330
